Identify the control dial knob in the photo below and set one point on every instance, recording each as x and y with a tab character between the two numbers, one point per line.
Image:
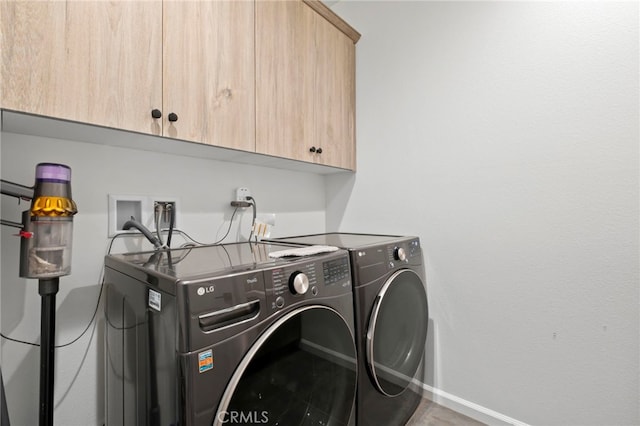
298	283
400	254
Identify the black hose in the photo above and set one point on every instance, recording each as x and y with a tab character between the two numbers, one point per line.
172	221
132	223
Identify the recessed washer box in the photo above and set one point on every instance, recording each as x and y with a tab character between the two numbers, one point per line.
122	208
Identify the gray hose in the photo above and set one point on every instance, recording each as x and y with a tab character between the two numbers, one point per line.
158	221
132	223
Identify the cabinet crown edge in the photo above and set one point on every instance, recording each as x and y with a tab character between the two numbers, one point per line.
328	14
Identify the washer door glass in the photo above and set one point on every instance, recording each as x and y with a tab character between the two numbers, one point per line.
397	332
302	370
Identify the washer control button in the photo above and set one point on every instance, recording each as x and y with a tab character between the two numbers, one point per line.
314	290
399	254
279	302
298	283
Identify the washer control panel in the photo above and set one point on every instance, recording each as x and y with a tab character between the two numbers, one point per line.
336	271
403	252
319	276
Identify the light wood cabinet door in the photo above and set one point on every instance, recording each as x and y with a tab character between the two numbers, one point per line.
285	62
334	95
208	72
304	85
96	62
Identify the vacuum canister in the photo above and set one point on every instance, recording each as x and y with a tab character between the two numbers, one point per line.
45	247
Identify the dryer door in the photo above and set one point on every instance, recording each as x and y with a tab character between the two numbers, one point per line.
397	332
302	370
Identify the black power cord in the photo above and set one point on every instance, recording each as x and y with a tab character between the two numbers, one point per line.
250	201
229	228
93	317
95	311
253	222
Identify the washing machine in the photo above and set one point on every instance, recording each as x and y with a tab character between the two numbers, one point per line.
227	334
392	316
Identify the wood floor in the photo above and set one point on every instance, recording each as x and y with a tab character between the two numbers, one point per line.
431	414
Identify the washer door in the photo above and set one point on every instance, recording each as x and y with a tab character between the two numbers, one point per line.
302	370
397	332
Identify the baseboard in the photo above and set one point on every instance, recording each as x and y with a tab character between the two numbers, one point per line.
468	408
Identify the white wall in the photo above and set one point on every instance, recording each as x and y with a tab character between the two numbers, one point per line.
204	188
505	135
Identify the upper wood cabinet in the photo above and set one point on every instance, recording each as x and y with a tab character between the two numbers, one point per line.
209	72
285	79
305	90
113	63
334	93
275	77
95	62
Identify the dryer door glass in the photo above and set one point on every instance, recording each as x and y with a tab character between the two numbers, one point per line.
397	332
302	370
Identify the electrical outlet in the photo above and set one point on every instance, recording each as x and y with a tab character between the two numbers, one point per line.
242	194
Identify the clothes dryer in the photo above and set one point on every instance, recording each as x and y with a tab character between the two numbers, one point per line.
228	335
391	321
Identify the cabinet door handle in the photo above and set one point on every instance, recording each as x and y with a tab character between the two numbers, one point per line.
156	113
319	150
312	149
173	117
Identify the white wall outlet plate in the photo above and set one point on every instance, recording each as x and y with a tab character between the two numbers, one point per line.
242	194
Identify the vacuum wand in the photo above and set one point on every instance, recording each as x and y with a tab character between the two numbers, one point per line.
48	288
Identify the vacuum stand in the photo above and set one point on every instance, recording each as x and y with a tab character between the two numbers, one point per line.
48	288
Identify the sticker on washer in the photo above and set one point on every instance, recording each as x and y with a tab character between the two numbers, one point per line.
155	300
205	361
